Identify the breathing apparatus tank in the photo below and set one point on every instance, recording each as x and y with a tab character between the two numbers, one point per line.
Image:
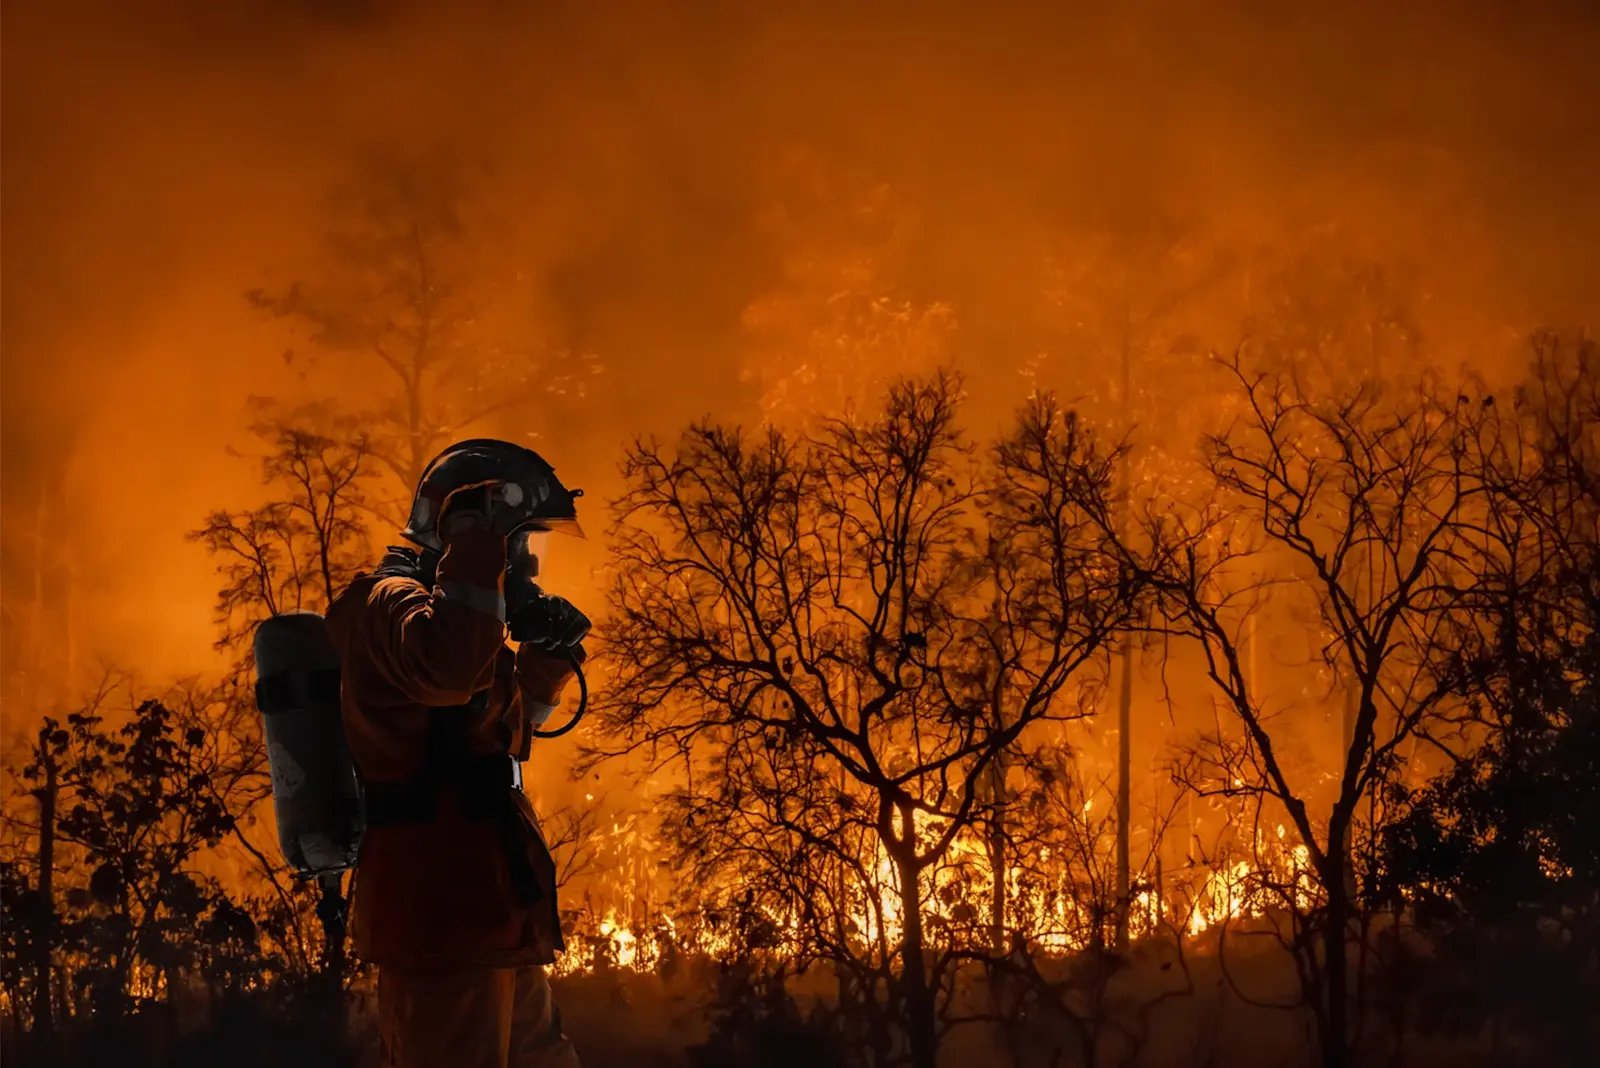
315	791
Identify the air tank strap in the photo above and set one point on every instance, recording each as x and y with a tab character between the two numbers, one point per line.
297	691
484	786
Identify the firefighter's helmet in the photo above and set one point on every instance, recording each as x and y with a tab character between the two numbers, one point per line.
530	484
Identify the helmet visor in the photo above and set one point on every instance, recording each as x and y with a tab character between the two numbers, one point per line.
553	526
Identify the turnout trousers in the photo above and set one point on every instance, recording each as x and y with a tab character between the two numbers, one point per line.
471	1018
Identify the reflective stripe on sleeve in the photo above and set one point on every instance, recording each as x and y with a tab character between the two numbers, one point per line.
538	712
489	602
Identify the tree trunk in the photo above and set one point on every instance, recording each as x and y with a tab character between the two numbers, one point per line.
1125	699
1160	916
1336	979
997	894
43	1007
1124	794
841	913
415	436
921	1026
998	942
997	844
69	661
33	650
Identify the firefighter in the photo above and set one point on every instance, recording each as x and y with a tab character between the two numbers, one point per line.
454	893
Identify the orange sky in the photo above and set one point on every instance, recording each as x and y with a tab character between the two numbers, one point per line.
161	156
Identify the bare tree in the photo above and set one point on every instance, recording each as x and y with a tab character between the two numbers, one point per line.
300	549
39	646
1538	595
820	630
404	299
1125	305
1370	497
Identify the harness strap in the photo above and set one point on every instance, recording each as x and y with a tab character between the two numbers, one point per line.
484	786
297	691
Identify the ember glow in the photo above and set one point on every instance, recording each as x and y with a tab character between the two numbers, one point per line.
1055	914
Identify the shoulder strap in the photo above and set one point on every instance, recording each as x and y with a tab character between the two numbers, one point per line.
446	738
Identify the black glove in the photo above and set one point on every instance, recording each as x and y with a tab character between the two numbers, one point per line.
547	622
484	506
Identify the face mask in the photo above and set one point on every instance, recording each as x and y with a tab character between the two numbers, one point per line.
524	550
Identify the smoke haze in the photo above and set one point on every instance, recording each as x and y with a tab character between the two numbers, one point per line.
163	156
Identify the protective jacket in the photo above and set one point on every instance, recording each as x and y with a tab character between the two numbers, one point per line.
453	871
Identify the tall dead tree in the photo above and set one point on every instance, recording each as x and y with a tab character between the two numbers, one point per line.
810	626
48	793
1131	299
406	320
1369	497
41	660
304	545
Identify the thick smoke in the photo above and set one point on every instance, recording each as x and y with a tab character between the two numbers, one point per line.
162	156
